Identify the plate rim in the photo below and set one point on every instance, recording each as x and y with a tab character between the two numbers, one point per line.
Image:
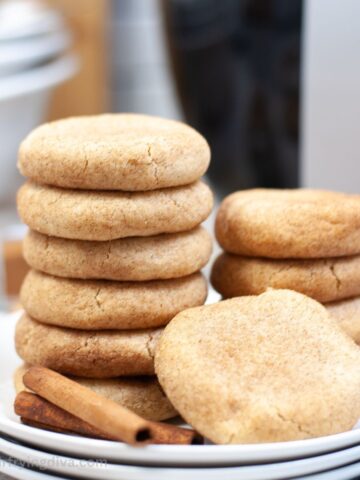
281	470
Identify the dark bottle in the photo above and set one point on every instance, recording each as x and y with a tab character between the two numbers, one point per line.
237	68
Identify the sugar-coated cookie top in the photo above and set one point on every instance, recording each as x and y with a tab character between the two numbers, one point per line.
114	152
273	367
296	223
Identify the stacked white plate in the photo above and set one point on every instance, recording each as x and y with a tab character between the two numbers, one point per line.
29	453
33	40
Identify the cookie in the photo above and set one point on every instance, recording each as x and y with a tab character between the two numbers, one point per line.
347	315
273	367
289	223
114	152
102	304
89	215
142	395
164	256
83	353
325	280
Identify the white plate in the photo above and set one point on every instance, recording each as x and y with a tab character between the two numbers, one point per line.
200	455
91	469
21	55
344	473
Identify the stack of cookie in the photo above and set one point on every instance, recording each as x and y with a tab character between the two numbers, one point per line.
303	240
114	204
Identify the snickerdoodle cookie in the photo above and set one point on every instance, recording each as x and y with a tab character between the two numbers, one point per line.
114	152
142	395
137	258
289	223
102	304
325	280
270	368
83	353
91	215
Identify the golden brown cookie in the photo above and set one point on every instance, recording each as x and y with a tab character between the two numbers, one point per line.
114	152
103	305
142	395
289	223
275	367
347	315
100	354
90	215
137	258
325	280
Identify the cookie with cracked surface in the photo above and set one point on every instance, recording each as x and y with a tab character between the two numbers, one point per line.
325	280
104	304
84	353
163	256
114	152
90	215
347	315
289	223
273	367
142	395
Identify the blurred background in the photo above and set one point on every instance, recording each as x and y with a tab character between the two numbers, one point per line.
272	84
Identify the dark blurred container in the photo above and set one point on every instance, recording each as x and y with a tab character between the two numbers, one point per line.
237	69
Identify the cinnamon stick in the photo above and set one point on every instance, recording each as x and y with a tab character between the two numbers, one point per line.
69	403
167	434
39	411
51	428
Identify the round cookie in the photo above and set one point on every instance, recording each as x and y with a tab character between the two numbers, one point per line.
103	305
114	152
289	223
90	215
260	369
325	280
142	395
129	259
347	315
100	354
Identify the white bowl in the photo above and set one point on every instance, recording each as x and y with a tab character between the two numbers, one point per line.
29	52
23	102
26	18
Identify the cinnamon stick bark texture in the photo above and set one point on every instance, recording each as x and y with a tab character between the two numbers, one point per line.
37	411
50	428
71	408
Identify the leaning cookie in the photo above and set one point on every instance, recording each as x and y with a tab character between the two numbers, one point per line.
142	395
347	315
289	223
273	367
101	354
129	259
114	152
90	215
325	280
101	304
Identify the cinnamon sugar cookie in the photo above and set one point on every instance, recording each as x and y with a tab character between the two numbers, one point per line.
136	259
114	152
325	280
101	304
83	353
269	368
91	215
289	223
